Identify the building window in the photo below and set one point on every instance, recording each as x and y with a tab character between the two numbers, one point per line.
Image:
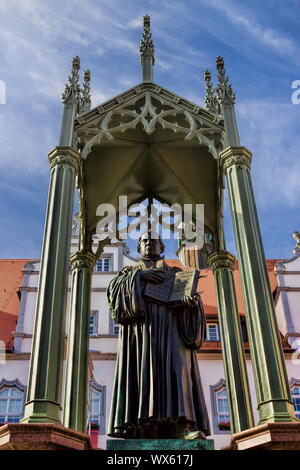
223	410
114	327
295	394
93	326
296	399
212	332
97	407
104	264
11	401
220	408
244	331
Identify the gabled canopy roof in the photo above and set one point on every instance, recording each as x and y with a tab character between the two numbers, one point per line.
86	120
149	141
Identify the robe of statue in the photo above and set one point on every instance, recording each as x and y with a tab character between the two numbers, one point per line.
157	378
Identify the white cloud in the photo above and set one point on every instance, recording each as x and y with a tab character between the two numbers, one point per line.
135	23
39	38
266	35
270	131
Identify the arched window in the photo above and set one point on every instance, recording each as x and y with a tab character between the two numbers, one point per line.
12	394
97	407
295	394
220	408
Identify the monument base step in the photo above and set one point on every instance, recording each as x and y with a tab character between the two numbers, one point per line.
269	436
159	444
42	436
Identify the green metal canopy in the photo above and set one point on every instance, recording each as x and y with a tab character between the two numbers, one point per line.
149	141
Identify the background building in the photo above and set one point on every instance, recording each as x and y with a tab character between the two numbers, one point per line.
18	289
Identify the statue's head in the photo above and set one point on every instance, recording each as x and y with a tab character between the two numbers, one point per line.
150	247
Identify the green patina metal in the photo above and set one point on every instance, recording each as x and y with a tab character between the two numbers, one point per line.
241	416
44	395
272	389
169	148
46	365
160	444
76	390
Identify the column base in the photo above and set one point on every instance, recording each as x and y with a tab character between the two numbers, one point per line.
18	436
270	436
159	444
41	411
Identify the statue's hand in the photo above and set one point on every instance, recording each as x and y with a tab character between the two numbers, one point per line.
190	301
155	276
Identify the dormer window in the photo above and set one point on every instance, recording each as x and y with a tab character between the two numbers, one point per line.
212	332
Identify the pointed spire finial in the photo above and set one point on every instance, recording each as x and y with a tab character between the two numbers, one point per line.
85	95
72	89
147	51
224	92
296	237
211	103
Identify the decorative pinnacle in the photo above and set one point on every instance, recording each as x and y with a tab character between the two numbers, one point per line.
147	47
72	89
220	63
211	103
85	93
147	50
296	237
224	92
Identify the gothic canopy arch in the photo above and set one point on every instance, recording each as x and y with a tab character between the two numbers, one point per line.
154	111
150	141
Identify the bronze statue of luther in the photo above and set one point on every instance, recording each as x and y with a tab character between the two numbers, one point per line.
157	390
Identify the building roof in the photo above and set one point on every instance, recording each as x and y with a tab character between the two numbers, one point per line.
10	281
206	286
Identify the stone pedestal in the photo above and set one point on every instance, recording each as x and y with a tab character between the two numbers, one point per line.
270	436
159	444
35	436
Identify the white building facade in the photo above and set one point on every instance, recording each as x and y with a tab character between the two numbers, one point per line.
104	341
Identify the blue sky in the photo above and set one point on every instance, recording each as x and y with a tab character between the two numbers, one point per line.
259	40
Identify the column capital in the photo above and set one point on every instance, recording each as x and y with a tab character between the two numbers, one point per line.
83	260
239	156
221	259
64	156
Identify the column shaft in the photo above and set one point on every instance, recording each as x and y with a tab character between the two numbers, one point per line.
272	389
232	343
45	375
76	393
66	134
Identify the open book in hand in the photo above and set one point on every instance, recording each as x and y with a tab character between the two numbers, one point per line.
172	291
